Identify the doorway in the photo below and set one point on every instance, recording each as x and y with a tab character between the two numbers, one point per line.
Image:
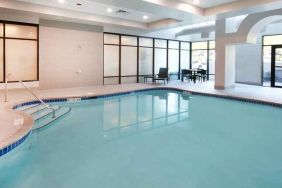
276	66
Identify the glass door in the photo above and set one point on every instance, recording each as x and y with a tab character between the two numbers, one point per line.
276	66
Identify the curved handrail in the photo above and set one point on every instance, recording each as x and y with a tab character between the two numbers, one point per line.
29	90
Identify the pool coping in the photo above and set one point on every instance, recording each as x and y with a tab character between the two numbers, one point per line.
26	130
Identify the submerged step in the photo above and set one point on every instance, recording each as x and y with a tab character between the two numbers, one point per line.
47	120
34	109
27	107
44	112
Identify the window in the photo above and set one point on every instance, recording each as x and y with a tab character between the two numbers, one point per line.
20	44
128	59
203	56
268	42
200	55
146	42
173	59
111	39
111	59
185	55
22	64
145	61
199	59
146	51
199	45
130	41
160	59
1	61
212	58
160	43
272	40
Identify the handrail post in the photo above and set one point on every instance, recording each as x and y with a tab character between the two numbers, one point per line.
5	97
6	88
30	91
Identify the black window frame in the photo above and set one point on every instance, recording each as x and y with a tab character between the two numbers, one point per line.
138	53
4	22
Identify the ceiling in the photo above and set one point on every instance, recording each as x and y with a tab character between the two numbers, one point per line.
92	7
172	15
208	3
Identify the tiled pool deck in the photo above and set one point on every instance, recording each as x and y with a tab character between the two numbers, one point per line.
11	131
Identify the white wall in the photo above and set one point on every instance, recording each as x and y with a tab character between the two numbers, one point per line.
248	64
71	55
249	58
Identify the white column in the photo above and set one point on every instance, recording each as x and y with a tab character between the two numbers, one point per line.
225	59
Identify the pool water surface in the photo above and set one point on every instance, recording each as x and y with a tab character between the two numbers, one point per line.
152	139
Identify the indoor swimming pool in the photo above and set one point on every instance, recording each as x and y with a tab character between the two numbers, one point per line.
152	139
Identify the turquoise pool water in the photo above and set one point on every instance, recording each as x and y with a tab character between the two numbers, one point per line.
152	139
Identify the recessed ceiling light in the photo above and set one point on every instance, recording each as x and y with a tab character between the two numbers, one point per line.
109	10
145	17
61	1
196	1
78	4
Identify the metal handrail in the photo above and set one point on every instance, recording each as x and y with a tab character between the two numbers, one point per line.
29	90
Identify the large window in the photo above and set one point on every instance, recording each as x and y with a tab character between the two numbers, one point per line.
268	42
18	51
146	51
127	59
160	55
211	60
185	55
203	57
174	59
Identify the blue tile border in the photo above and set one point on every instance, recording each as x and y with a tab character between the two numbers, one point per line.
241	99
9	148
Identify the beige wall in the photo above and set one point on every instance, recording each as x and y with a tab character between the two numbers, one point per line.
71	55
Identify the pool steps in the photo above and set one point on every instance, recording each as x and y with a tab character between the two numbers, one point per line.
43	116
47	120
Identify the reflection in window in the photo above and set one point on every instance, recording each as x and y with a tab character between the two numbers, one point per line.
266	65
185	59
272	40
145	61
23	63
111	60
20	31
145	42
199	45
111	39
1	30
160	59
122	53
199	59
1	62
173	63
211	64
160	43
128	61
278	67
126	40
268	42
21	52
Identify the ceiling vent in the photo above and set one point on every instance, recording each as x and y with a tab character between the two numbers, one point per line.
122	12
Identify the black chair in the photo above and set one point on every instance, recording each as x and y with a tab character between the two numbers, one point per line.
188	74
201	74
163	75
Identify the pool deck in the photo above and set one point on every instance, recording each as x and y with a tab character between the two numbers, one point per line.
11	130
